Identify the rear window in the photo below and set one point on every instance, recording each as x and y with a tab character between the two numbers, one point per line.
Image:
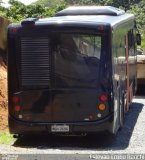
77	58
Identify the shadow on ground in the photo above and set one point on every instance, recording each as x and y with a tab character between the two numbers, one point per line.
102	141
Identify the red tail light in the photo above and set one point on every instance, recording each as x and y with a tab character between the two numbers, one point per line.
15	99
103	98
16	103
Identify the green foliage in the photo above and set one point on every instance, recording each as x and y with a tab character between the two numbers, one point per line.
51	4
6	138
81	2
139	11
2	11
18	11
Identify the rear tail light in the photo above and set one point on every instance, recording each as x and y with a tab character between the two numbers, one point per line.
15	99
16	103
103	98
102	105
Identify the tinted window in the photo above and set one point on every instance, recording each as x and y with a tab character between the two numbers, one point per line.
77	58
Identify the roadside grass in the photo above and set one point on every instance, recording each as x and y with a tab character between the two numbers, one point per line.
6	138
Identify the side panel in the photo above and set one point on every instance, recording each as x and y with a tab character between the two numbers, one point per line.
127	73
131	66
13	80
124	60
119	72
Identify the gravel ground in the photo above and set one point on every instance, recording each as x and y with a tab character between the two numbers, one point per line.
130	140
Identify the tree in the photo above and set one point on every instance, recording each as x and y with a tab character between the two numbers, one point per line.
139	11
18	11
49	3
80	2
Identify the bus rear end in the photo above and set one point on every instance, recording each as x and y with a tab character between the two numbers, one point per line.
59	78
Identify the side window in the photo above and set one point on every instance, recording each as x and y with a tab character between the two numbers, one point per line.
131	43
131	47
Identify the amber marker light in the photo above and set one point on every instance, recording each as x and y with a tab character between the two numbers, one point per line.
17	108
102	107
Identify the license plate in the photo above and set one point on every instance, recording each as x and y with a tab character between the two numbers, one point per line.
60	128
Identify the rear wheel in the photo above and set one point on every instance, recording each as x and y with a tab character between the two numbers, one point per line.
121	110
18	136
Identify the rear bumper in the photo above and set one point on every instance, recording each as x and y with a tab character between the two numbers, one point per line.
21	127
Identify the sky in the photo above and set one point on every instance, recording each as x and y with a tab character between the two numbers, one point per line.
26	2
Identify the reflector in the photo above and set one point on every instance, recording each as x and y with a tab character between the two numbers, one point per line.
14	30
101	28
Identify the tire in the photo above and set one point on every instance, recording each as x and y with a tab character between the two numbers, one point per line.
18	136
121	111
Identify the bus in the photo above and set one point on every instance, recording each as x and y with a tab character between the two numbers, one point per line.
73	73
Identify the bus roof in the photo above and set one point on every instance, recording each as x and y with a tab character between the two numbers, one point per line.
91	10
92	19
88	15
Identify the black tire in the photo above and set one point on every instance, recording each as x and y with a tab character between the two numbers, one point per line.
121	112
18	136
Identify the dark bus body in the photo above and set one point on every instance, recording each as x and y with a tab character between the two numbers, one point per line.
72	73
